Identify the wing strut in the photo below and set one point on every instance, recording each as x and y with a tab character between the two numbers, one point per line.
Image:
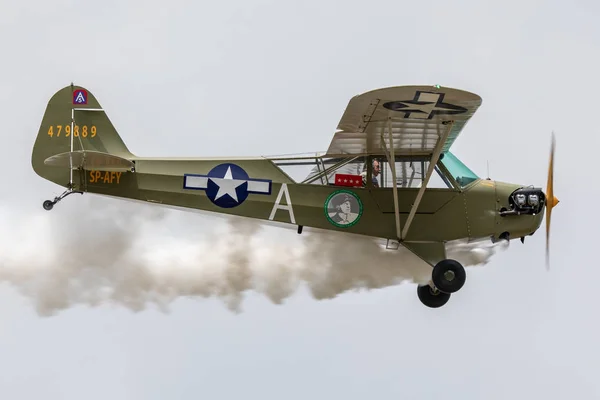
432	163
392	163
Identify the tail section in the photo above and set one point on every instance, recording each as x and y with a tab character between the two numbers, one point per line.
76	133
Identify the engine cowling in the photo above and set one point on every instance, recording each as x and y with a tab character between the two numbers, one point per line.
528	201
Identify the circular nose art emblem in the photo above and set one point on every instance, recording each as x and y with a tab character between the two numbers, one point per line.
343	208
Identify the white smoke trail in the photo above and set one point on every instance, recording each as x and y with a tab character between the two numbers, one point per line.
127	255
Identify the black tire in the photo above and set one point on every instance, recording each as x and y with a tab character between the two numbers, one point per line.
48	205
432	298
452	283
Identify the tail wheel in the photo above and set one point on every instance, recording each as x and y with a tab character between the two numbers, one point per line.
431	297
448	276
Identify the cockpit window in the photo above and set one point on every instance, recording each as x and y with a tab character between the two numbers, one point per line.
459	171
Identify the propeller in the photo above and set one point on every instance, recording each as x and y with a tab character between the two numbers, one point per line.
551	201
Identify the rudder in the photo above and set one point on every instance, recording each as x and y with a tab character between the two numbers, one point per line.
74	125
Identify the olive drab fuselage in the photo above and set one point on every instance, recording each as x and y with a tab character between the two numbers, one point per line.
77	147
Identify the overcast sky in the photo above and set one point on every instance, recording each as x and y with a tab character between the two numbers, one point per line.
258	77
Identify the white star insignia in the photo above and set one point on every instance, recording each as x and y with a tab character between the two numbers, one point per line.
227	185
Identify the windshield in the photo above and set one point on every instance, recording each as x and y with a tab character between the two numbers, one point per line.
459	171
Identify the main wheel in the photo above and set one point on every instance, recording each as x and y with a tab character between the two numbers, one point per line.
448	276
48	205
432	298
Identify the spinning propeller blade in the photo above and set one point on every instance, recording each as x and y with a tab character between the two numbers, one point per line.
551	201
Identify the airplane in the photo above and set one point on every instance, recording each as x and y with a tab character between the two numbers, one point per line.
388	174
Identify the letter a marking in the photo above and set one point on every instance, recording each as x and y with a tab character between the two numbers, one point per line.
288	206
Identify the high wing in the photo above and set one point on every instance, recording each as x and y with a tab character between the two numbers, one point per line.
414	114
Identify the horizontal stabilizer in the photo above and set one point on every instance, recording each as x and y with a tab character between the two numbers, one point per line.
90	160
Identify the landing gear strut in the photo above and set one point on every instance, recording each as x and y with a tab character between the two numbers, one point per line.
448	276
48	204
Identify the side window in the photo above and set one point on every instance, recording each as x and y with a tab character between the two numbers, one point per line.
411	174
340	172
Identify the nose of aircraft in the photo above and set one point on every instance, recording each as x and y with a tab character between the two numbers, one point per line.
525	201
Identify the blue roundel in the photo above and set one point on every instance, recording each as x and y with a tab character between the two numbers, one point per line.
227	185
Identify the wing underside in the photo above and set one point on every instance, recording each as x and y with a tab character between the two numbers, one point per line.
416	114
